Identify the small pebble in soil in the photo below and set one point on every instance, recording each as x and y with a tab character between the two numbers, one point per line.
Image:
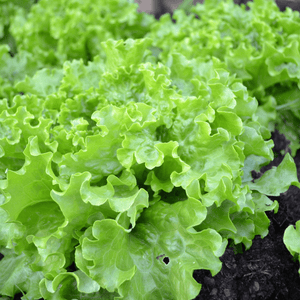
214	292
254	288
227	292
209	281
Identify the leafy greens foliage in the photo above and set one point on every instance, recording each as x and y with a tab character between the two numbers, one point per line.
259	45
126	153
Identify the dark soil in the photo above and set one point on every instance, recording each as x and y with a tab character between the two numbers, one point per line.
266	271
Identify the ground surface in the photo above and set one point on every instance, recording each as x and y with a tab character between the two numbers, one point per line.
266	271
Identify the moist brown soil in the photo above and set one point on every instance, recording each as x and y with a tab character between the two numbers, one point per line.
266	271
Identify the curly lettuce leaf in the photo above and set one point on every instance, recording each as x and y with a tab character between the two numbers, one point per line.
278	179
71	30
130	166
138	254
16	276
37	174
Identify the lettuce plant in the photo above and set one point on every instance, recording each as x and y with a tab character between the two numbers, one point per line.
51	32
259	45
123	172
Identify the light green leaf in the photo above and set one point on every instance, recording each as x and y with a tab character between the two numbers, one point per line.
291	238
9	232
74	285
99	158
254	142
278	179
124	53
146	246
252	163
218	218
43	83
74	209
37	176
16	274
